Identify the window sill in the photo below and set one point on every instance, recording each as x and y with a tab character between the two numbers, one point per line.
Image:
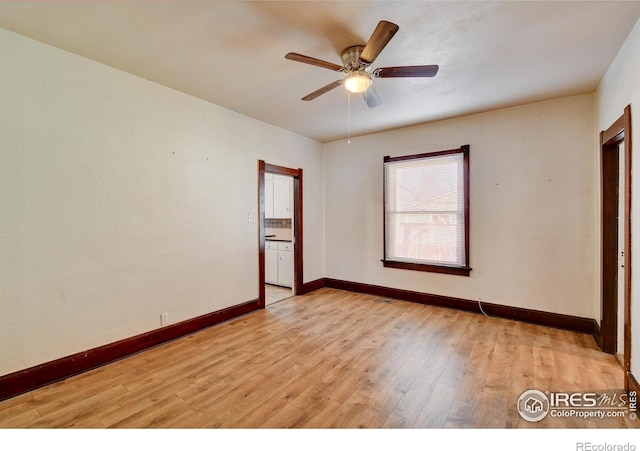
455	270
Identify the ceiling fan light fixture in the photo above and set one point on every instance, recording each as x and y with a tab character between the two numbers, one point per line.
356	65
357	82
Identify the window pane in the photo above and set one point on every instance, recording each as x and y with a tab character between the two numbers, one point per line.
431	237
426	185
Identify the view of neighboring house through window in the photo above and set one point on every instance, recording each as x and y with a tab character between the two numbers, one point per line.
426	216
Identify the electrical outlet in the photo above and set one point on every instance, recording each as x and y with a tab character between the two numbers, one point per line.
164	319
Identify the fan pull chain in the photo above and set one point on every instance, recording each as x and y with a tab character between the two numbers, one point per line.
349	116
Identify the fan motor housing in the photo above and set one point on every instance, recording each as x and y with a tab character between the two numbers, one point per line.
351	58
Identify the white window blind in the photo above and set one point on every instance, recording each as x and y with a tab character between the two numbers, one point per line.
425	210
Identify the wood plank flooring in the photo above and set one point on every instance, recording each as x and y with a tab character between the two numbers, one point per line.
332	359
274	293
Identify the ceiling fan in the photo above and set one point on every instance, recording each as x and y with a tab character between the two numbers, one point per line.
357	61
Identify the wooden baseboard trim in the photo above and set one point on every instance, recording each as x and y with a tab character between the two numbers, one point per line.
560	321
28	379
308	287
597	334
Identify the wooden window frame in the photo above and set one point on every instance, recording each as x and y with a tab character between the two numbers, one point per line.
430	267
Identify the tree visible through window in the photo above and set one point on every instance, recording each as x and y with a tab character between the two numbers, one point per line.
426	215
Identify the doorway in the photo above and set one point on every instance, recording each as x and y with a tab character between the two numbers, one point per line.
280	237
615	320
622	220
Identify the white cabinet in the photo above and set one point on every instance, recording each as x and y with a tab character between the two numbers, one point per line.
278	262
282	193
278	196
268	196
285	264
271	262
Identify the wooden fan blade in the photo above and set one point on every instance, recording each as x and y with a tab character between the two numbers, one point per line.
378	40
322	90
406	71
313	61
371	97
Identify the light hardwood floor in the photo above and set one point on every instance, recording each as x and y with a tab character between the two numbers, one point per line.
332	359
274	293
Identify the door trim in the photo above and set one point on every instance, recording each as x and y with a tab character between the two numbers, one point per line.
610	139
297	226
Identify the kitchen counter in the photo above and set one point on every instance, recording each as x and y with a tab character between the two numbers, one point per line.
278	235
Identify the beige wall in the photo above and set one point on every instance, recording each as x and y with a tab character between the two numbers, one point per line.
121	199
621	87
532	206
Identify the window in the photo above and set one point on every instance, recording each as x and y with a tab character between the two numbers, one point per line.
426	212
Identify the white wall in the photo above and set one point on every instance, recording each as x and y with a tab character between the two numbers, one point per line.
121	199
621	87
532	206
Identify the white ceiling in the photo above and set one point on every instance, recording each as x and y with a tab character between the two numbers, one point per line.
231	53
